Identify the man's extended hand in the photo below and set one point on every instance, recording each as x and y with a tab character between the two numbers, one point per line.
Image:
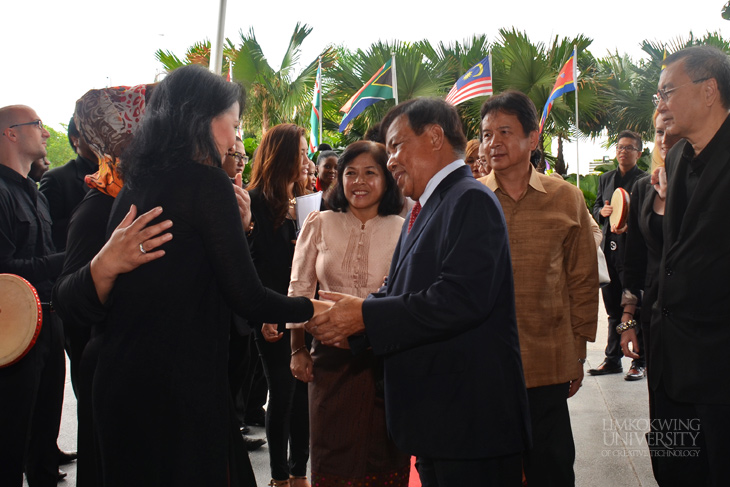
343	319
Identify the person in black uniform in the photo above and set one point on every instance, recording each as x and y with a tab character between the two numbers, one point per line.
628	150
31	390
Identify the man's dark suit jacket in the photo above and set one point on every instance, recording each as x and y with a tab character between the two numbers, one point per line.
446	326
691	321
64	188
606	188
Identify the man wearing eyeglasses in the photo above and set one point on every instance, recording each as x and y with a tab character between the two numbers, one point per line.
689	364
31	390
628	150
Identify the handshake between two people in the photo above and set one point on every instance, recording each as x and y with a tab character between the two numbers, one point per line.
336	317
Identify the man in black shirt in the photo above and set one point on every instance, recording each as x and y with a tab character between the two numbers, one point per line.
628	150
64	187
690	324
31	390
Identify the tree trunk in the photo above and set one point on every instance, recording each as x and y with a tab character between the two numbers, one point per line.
264	116
560	162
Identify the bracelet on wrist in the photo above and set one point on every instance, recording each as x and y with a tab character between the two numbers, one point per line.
298	350
626	325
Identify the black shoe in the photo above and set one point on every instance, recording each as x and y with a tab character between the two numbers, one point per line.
64	458
61	476
635	373
606	368
253	443
245	429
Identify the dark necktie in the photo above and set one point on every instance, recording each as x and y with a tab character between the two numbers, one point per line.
414	214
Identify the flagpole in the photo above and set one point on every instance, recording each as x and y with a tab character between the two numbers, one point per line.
575	80
395	78
216	51
491	73
319	70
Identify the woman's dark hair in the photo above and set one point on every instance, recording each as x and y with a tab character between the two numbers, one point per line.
72	132
276	165
392	201
325	155
176	128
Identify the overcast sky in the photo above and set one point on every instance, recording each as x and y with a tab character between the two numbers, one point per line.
55	51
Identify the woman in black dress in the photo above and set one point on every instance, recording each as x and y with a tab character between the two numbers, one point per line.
279	175
161	399
643	250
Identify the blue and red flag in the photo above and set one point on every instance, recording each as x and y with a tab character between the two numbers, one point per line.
564	84
475	82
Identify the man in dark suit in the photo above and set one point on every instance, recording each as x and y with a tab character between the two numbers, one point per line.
691	319
445	320
64	186
628	150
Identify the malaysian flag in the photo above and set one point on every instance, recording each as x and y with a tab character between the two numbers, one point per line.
475	82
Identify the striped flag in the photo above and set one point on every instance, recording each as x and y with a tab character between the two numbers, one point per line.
564	84
379	88
475	82
315	119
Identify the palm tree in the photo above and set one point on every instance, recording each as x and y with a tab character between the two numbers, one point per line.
415	74
276	97
450	62
532	69
198	53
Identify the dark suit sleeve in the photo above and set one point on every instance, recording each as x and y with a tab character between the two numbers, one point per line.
468	253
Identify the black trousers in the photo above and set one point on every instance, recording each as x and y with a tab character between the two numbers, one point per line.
549	462
612	301
688	442
287	415
31	400
485	472
242	363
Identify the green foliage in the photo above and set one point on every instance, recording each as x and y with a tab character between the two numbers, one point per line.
588	185
614	92
250	144
58	148
275	97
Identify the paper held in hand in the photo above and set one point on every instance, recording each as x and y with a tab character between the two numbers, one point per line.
307	204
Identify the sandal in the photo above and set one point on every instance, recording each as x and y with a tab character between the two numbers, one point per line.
279	483
297	481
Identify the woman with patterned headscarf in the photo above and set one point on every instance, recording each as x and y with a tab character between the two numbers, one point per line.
107	119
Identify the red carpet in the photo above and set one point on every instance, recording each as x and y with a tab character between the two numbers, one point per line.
415	480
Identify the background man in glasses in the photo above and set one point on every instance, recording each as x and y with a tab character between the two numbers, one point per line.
628	151
31	390
692	318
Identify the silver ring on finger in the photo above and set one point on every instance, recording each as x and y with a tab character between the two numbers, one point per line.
141	248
